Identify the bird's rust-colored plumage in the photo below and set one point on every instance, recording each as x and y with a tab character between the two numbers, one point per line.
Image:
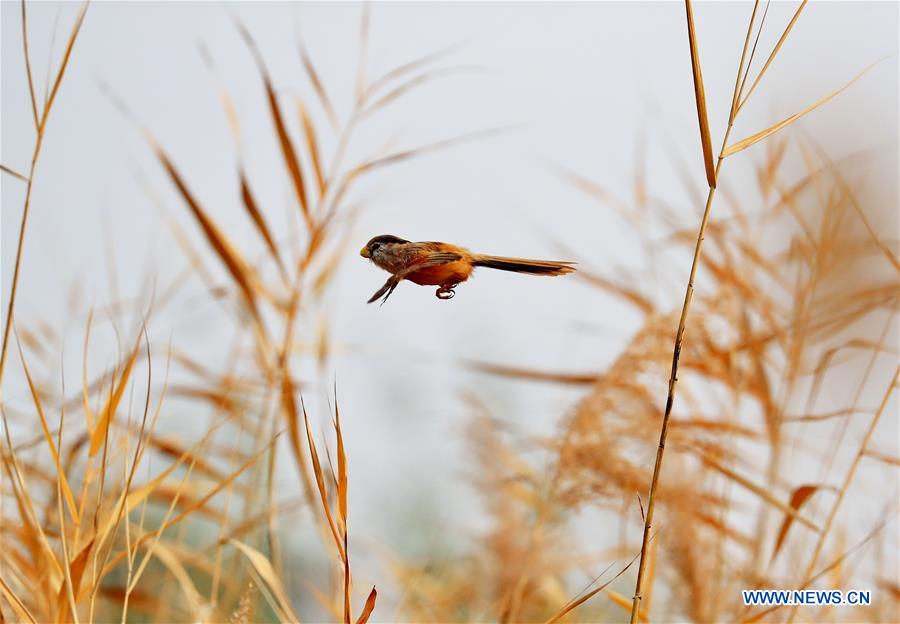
442	264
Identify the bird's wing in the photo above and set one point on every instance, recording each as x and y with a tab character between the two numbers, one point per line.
433	259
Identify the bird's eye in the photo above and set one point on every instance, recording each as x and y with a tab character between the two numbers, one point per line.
375	246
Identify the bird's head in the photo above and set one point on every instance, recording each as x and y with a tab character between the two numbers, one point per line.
377	248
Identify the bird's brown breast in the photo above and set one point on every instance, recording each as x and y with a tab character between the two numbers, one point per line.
442	275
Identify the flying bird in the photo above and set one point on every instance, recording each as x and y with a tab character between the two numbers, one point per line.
442	264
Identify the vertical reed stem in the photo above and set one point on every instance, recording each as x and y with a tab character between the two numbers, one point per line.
670	398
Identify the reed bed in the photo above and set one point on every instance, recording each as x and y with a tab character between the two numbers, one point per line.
105	517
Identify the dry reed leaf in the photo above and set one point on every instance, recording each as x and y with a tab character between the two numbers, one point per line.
291	415
579	601
849	194
342	505
700	96
170	560
400	156
76	571
70	44
85	398
342	468
260	222
631	295
34	109
739	82
60	473
98	435
592	189
284	140
319	88
363	52
761	492
37	536
368	608
229	256
14	601
13	173
743	144
169	523
320	482
412	83
265	570
775	50
577	379
312	144
892	587
227	103
625	603
34	159
798	498
883	457
130	498
407	68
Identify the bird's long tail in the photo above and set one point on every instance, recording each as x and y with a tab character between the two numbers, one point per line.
523	265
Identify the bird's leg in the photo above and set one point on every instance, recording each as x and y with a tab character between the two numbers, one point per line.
446	292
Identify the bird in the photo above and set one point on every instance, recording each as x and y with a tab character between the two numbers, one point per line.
446	266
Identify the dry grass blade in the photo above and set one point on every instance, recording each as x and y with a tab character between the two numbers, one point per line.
320	482
849	194
514	372
368	608
229	256
411	84
625	603
284	140
848	479
319	87
760	491
775	50
341	483
400	156
743	144
60	472
189	509
739	82
363	52
342	468
70	44
170	560
312	144
883	457
13	173
700	96
406	68
37	536
76	28
76	571
98	435
17	605
260	222
265	570
580	601
28	67
798	498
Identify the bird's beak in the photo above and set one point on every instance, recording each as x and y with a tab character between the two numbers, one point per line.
364	252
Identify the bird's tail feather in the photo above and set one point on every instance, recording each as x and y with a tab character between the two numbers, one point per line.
524	265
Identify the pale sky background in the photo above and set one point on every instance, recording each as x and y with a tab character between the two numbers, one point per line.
584	85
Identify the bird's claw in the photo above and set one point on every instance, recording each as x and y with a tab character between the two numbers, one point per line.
445	292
